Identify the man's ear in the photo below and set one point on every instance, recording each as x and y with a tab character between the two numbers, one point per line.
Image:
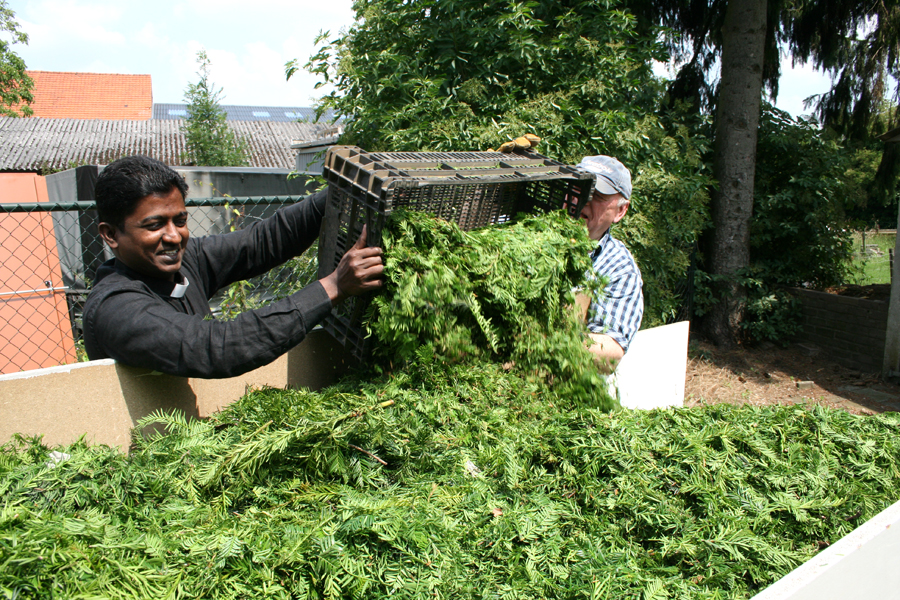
108	233
620	212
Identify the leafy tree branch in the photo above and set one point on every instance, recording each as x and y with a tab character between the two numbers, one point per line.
15	84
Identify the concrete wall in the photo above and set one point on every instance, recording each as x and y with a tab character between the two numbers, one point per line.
103	401
217	182
207	182
311	160
849	330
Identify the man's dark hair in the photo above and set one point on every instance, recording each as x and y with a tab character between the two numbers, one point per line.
123	183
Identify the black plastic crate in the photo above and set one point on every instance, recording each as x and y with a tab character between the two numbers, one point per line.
472	189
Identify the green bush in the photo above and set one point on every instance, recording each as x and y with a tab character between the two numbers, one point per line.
798	233
772	314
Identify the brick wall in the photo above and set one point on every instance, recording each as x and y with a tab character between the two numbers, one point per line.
850	330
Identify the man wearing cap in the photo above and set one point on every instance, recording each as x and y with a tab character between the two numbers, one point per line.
615	315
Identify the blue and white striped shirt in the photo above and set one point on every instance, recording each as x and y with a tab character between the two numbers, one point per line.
618	310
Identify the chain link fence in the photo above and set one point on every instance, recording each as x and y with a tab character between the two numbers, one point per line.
873	256
50	253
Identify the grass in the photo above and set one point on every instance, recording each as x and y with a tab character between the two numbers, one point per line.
870	268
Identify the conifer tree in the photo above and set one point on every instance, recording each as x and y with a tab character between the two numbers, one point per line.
209	140
856	41
858	44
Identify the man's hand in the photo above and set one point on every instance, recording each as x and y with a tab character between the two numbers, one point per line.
359	271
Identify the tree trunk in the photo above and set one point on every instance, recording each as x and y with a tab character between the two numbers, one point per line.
737	119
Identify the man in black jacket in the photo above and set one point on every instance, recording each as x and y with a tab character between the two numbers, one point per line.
149	306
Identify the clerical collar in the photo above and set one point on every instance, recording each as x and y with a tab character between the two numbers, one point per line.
163	287
180	288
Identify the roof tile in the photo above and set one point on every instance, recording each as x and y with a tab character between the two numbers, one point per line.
64	95
34	144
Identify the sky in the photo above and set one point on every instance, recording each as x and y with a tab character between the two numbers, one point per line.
248	44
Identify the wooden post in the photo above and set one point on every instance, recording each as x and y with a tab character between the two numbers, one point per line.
891	365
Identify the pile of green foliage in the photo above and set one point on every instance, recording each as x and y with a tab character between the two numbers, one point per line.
451	473
451	482
500	293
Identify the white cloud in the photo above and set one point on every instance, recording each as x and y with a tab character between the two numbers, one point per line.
63	22
180	69
149	35
99	66
254	74
298	12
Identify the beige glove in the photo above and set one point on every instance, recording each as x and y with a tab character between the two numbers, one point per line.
523	143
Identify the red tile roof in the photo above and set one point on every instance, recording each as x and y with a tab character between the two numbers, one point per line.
113	96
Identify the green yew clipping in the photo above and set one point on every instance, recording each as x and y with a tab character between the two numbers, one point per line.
470	461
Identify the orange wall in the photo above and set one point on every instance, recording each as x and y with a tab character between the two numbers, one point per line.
35	330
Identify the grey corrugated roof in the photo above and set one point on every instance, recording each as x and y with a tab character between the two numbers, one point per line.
285	114
30	144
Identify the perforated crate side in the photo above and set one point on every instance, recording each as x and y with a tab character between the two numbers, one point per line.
373	173
552	194
345	214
